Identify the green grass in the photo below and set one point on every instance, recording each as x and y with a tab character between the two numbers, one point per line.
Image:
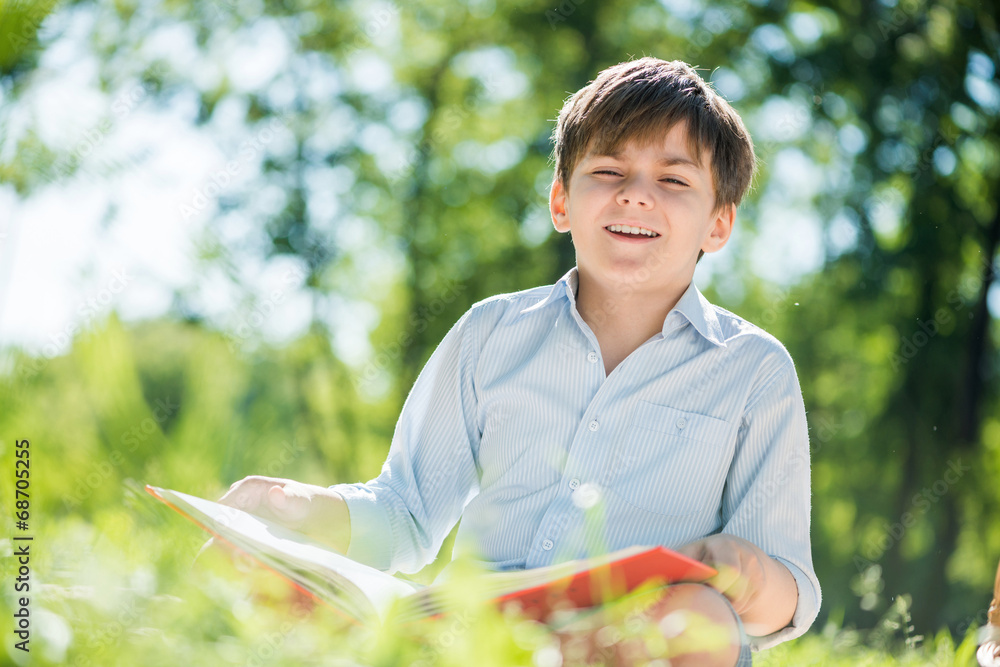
123	588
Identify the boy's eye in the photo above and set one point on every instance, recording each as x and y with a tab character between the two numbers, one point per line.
610	172
673	180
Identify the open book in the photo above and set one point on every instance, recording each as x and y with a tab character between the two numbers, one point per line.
368	595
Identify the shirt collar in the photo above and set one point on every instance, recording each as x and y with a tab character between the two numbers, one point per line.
564	287
695	308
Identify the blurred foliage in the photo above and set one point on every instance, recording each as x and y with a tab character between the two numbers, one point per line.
400	161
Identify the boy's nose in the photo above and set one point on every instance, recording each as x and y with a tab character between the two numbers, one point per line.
633	194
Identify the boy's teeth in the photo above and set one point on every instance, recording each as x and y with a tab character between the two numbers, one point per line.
629	229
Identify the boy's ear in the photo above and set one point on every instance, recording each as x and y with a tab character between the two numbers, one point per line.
557	206
722	228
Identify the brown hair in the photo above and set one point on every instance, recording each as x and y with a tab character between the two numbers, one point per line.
641	100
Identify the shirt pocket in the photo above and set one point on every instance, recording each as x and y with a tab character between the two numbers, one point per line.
672	462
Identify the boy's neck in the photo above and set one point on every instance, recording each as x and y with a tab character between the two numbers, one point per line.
623	317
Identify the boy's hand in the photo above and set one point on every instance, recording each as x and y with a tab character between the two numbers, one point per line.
761	589
314	510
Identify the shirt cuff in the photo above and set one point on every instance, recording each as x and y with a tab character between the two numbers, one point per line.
806	610
371	534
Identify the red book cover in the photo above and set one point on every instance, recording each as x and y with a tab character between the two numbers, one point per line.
602	583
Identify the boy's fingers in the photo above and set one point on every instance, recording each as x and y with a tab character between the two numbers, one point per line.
728	580
248	493
733	584
288	503
282	500
240	496
694	550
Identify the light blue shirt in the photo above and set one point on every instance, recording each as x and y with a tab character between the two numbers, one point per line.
514	428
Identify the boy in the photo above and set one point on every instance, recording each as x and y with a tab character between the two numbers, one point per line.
619	390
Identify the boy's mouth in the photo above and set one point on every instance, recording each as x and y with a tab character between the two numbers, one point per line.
631	232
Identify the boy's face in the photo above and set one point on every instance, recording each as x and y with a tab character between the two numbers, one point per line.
661	190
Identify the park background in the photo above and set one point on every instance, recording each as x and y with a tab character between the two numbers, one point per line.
232	231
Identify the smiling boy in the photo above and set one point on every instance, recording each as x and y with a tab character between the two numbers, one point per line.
639	216
619	392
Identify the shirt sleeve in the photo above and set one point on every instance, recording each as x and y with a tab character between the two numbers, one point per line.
400	519
767	496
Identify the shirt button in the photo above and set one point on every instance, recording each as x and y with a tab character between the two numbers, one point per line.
593	426
592	357
547	545
681	423
573	483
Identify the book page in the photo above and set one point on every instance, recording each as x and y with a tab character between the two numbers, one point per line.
360	591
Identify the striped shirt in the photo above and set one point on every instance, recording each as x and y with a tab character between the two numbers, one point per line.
514	428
